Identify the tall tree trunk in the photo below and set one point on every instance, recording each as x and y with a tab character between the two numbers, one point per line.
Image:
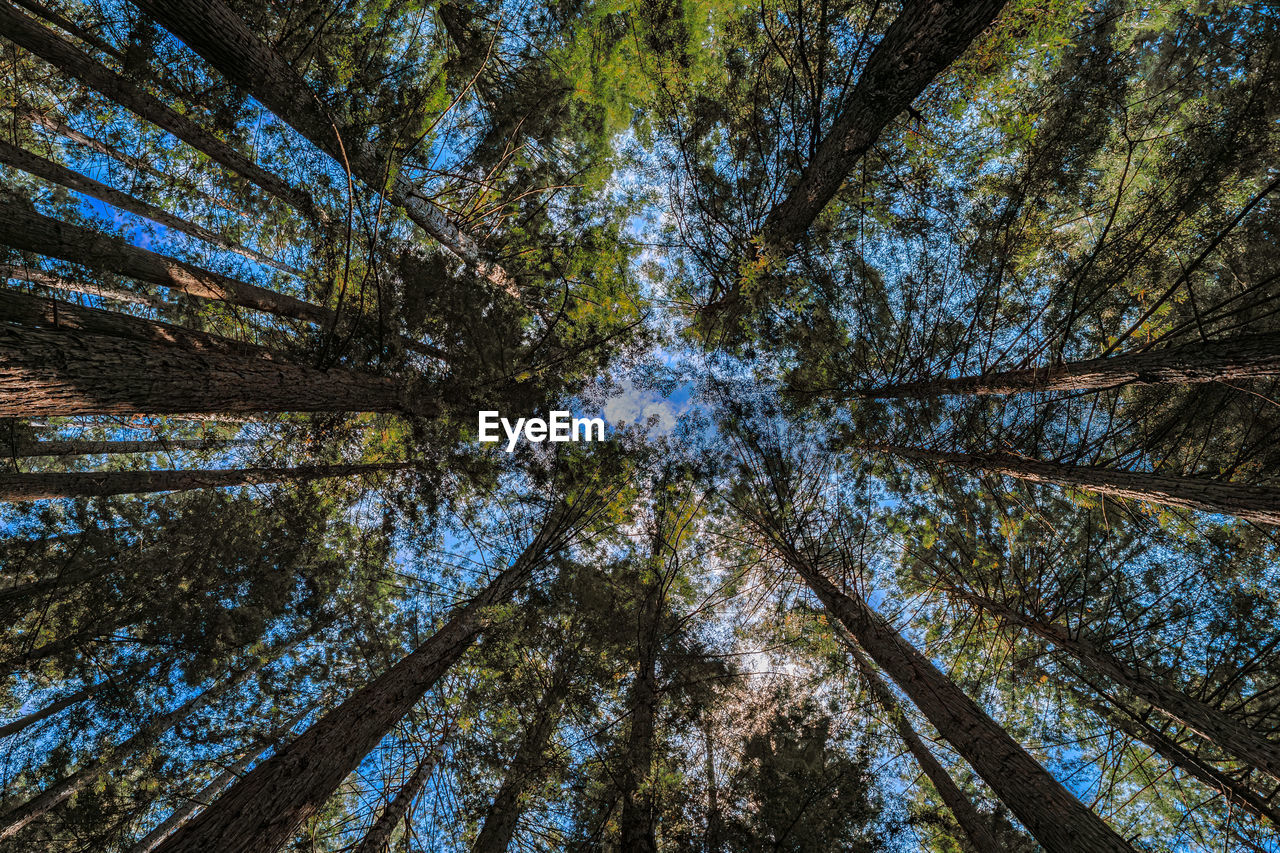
206	795
60	53
971	823
1254	503
53	282
638	807
527	765
715	831
86	484
59	359
218	35
57	173
922	41
1209	723
23	228
60	704
378	836
87	447
1245	357
18	817
261	811
1055	818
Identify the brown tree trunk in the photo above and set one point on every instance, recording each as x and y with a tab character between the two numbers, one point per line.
1209	723
1254	503
218	35
86	447
18	817
971	823
638	807
1055	818
60	53
261	811
527	765
1246	357
23	228
53	282
58	359
922	41
88	484
57	173
378	836
60	704
714	830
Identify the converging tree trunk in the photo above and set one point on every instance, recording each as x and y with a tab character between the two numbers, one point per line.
57	173
53	282
1208	722
1253	503
88	447
1245	357
638	806
261	811
59	359
60	53
55	706
378	836
218	35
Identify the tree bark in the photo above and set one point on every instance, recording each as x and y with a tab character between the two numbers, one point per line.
86	447
261	811
1209	723
1055	818
56	173
60	53
971	823
23	228
1259	504
1242	358
18	817
638	807
527	765
58	359
378	836
53	282
714	830
920	43
218	35
89	484
60	704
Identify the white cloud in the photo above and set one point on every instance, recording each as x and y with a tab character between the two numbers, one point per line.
634	405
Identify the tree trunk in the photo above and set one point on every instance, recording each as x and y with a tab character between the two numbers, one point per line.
60	53
91	484
378	836
638	807
1209	723
53	282
261	811
527	766
1259	504
1050	813
14	820
85	447
23	228
218	35
206	795
60	704
61	175
921	42
714	823
971	823
58	359
1246	357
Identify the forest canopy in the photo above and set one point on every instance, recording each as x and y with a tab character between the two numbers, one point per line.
938	506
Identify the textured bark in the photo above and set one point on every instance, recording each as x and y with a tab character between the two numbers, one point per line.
86	484
260	812
1246	357
58	359
60	53
61	175
86	447
53	282
1208	722
527	765
218	35
638	823
971	823
1055	818
23	228
1254	503
921	42
18	817
378	836
206	795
